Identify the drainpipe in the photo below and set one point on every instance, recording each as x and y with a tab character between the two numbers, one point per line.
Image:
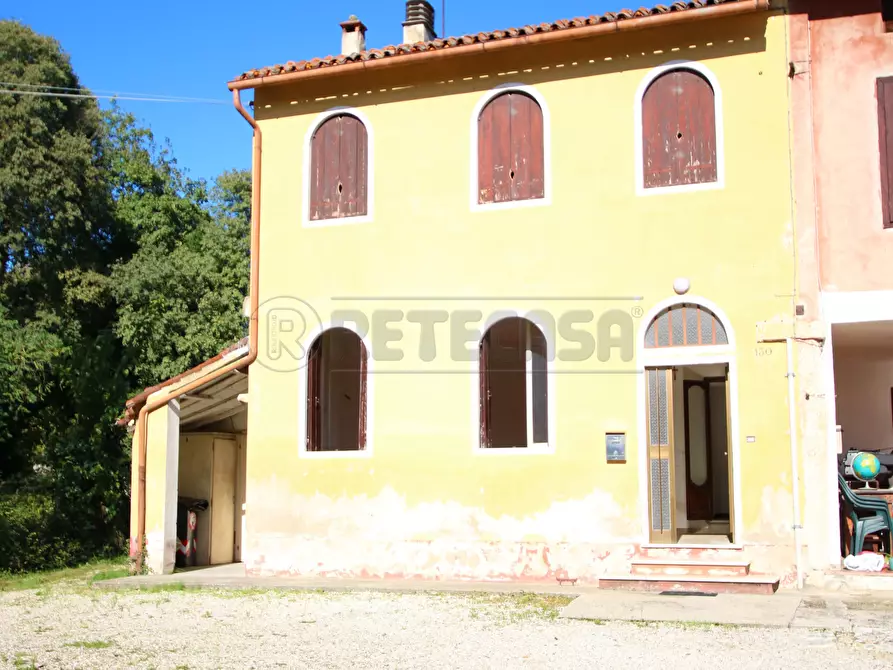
795	461
242	363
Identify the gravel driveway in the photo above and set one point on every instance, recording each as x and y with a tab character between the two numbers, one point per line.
187	629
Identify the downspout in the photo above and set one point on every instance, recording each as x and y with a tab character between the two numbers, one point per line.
241	363
797	522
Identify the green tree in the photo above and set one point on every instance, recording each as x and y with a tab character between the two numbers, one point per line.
179	296
58	239
116	272
54	221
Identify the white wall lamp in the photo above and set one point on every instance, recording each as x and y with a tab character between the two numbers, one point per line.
681	285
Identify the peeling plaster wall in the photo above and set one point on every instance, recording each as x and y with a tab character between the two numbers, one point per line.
423	502
380	536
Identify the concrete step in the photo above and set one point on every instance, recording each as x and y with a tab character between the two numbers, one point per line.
673	567
752	584
694	552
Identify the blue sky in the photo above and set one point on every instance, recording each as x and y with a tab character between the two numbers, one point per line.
191	48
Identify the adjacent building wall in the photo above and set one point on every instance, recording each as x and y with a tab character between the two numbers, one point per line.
837	52
848	49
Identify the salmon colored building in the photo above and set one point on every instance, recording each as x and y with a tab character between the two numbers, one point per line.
841	75
521	308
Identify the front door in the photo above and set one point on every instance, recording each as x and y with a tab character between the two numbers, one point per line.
728	454
661	467
698	451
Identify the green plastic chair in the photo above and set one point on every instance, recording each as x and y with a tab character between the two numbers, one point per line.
869	516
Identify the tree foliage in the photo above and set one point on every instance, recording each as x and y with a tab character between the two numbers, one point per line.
117	271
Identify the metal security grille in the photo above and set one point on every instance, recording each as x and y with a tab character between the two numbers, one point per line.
660	448
685	325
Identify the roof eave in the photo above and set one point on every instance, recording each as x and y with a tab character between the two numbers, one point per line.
568	34
134	404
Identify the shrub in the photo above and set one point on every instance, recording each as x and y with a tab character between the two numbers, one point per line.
31	537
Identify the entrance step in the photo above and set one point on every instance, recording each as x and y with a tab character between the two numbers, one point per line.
697	568
660	583
685	567
694	552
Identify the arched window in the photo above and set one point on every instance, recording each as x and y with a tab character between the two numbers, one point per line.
685	325
339	169
511	163
514	396
336	392
679	130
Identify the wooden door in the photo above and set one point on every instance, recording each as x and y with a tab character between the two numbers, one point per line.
698	451
730	456
223	500
661	466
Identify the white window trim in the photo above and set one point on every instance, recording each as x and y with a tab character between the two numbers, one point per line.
678	356
546	200
638	130
370	395
306	222
534	449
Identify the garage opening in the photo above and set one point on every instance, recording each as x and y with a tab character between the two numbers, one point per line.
213	431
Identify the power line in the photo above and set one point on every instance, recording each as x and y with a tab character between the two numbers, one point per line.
88	91
50	94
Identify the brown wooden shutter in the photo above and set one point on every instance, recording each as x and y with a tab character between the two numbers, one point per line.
339	169
314	407
484	381
511	164
363	395
679	130
885	135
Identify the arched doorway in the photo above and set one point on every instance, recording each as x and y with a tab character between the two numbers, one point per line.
687	352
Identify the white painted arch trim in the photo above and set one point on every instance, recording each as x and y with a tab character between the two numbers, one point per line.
370	399
638	161
551	404
370	171
484	100
679	356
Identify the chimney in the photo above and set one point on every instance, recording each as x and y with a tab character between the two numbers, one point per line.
419	24
353	36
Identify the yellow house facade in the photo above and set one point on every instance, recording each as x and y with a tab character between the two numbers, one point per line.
539	376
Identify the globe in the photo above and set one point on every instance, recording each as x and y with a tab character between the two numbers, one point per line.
866	466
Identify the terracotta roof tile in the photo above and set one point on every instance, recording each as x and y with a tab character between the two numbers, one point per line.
494	35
